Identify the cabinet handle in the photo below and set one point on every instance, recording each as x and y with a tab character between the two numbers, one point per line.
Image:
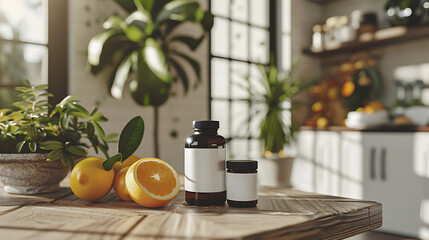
383	164
372	163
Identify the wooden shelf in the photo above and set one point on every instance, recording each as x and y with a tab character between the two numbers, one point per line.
382	38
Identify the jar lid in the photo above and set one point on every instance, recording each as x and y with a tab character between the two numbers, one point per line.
205	124
242	164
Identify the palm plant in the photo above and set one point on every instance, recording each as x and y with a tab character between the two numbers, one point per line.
275	133
140	50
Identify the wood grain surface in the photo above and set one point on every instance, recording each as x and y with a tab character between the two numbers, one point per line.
280	214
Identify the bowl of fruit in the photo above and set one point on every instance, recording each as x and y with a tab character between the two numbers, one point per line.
372	115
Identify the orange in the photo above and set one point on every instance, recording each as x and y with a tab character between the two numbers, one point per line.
89	181
128	162
152	182
322	122
348	89
317	107
120	187
376	105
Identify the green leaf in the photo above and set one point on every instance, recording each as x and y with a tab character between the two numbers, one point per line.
121	76
157	64
194	63
33	146
51	145
127	5
65	157
99	130
98	43
81	109
141	20
89	129
20	145
98	117
131	137
76	150
110	162
22	105
23	89
111	136
179	10
207	21
104	150
182	74
144	5
41	87
191	42
32	131
147	89
54	155
66	100
113	22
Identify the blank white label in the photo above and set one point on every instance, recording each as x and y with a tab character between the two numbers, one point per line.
205	170
241	186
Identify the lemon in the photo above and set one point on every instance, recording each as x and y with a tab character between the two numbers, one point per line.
90	181
126	163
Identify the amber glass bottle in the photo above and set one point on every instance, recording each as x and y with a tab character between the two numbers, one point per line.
205	155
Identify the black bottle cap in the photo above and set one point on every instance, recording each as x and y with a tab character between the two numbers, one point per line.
242	164
205	124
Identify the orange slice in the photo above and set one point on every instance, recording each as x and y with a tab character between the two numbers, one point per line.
152	182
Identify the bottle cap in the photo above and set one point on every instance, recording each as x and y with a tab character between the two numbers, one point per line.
205	124
242	164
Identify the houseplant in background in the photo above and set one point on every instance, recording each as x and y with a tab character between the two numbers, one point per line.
38	144
277	130
142	49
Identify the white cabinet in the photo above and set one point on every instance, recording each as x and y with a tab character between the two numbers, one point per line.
389	178
391	168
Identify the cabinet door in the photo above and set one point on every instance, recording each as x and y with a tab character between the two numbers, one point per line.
421	167
351	165
389	178
302	177
327	175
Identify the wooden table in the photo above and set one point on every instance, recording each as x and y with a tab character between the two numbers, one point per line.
281	213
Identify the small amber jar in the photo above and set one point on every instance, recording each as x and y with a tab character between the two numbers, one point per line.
242	183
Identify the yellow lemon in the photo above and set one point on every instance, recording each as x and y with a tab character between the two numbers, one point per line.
120	187
152	182
127	163
89	181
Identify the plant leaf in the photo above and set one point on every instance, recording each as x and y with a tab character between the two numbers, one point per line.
89	129
65	157
113	22
121	76
110	162
131	137
179	10
20	145
182	74
157	63
98	43
33	146
51	145
54	155
76	150
144	4
99	130
141	20
191	42
194	64
147	89
127	5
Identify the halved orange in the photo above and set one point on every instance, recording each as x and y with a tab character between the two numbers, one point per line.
152	182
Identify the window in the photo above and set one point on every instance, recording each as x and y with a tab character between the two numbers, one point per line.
33	45
244	34
240	39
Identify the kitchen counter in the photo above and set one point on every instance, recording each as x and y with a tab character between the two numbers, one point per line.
389	128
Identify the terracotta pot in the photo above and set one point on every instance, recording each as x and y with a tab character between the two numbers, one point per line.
275	171
30	173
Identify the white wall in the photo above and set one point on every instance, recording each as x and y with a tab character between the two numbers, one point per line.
177	114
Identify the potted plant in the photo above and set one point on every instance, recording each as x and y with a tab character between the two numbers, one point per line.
276	130
34	137
143	50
